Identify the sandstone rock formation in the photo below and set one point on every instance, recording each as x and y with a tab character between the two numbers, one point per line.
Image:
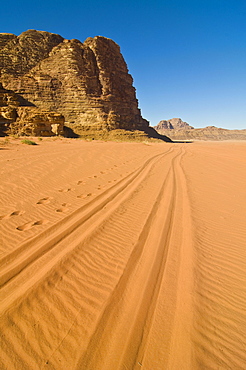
8	105
86	82
35	122
206	133
16	118
173	124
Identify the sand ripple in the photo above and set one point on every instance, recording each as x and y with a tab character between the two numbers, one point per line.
146	272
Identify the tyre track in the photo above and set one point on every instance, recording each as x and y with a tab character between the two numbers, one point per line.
137	291
80	288
33	249
82	222
96	292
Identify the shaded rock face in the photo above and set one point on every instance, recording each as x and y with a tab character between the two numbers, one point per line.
86	82
173	124
16	118
8	108
34	122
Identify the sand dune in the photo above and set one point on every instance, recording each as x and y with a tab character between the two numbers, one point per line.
122	255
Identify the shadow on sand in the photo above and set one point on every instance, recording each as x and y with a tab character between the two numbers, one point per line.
68	132
154	134
150	131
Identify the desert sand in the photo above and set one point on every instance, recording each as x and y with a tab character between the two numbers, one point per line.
123	255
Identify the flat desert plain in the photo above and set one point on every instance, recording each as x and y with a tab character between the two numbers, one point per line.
123	255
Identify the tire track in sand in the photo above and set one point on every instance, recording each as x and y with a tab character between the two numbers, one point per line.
122	334
75	310
33	250
51	309
15	260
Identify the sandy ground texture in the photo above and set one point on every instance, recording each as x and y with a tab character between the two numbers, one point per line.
123	255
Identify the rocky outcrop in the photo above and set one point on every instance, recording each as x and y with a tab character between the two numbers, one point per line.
86	82
16	118
34	122
19	54
207	133
173	124
8	109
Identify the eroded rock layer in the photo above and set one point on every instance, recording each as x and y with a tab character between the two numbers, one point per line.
86	82
17	118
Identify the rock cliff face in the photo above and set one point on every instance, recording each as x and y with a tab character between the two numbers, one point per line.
8	106
16	118
86	82
34	122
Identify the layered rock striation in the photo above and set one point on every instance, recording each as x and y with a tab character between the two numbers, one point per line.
17	118
88	83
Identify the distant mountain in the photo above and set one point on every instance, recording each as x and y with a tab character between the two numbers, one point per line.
176	129
173	124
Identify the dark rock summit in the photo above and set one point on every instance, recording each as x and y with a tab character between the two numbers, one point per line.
88	83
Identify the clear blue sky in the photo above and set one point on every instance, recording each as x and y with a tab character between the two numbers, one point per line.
187	58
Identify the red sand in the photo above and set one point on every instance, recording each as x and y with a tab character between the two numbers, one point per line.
123	255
